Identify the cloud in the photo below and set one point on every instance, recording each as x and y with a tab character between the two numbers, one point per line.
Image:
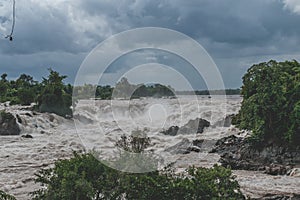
293	5
60	32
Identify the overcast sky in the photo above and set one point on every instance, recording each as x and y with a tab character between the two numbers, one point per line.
60	34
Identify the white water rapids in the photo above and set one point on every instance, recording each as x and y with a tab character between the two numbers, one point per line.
103	122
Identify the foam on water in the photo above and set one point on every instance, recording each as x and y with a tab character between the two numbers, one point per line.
101	123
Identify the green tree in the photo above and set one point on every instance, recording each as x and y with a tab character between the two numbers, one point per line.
4	85
53	97
271	99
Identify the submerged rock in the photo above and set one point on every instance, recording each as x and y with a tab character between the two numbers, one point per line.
27	136
185	146
172	131
8	124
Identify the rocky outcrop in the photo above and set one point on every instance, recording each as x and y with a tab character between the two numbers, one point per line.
237	153
193	126
8	124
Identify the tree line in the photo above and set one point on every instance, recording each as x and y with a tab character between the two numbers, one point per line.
50	95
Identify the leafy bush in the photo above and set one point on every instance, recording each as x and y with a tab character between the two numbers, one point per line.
84	177
5	196
271	104
133	157
22	91
137	142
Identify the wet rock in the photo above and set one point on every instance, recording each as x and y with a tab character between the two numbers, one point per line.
192	127
27	136
51	118
8	124
28	114
172	131
198	142
19	119
237	153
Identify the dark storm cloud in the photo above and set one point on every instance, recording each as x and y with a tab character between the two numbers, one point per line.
235	33
225	28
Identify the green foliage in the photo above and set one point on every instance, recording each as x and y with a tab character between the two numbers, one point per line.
137	142
53	97
156	90
104	92
126	90
84	177
122	90
22	91
5	196
270	108
133	157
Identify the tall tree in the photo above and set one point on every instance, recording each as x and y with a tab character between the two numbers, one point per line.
53	98
271	104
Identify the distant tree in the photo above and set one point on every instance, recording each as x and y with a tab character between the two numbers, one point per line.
3	77
104	92
26	89
4	86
